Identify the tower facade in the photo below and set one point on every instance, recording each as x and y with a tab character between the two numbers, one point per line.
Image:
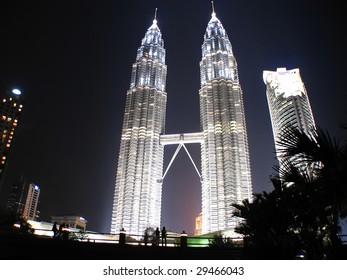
226	174
288	103
138	188
11	106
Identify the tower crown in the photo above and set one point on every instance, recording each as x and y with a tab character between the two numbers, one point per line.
217	55
152	45
214	27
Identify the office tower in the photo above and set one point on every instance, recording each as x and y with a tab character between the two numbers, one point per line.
288	103
138	188
226	175
11	105
31	203
15	201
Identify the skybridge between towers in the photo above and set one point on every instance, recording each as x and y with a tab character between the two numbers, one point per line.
180	140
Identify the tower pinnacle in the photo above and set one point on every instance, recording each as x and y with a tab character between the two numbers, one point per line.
154	25
213	12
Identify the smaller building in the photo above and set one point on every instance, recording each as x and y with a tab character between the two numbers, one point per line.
15	202
198	225
72	221
31	203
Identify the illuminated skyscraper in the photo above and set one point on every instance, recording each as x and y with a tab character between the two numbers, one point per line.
288	103
31	203
138	189
10	112
226	175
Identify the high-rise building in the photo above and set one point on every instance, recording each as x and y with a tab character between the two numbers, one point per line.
225	154
15	201
225	176
288	103
11	105
138	188
31	203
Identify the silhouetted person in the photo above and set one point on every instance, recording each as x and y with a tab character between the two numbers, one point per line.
55	230
146	238
157	236
61	230
66	232
163	236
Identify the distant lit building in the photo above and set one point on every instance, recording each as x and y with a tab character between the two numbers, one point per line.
288	103
15	202
198	225
71	221
31	203
11	105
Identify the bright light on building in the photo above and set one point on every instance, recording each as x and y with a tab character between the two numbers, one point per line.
16	91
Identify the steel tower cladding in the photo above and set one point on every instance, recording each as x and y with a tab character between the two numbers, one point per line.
138	188
224	152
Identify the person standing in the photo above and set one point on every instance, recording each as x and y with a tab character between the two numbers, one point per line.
157	236
163	236
61	230
55	229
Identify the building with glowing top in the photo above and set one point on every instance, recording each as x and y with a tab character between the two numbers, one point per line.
225	173
288	103
31	203
11	105
138	188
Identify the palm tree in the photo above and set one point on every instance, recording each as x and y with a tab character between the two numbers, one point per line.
267	226
328	159
309	197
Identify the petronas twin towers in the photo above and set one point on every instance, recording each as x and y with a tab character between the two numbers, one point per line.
225	167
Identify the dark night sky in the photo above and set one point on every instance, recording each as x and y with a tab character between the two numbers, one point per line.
72	60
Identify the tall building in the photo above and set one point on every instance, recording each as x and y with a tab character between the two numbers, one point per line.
288	103
224	152
15	201
31	203
138	188
225	176
11	105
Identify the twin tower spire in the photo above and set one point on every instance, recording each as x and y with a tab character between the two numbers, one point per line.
225	167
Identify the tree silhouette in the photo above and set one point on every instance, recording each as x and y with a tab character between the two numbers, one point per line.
309	197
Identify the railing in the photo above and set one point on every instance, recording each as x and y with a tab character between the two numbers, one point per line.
172	240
